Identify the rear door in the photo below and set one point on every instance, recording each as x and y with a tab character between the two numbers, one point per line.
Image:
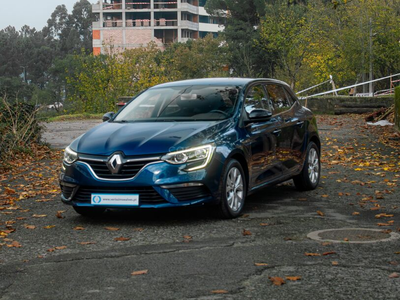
284	112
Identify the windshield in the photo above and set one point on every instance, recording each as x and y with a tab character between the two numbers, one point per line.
185	103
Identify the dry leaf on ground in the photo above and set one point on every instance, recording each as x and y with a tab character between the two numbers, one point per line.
141	272
277	280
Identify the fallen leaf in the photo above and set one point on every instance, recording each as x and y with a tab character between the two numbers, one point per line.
394	275
29	226
320	213
302	199
15	244
59	214
346	239
60	247
111	228
260	264
122	239
49	226
39	216
246	232
219	292
325	196
264	224
138	229
277	280
312	254
383	215
329	253
142	272
356	213
86	243
384	224
79	228
293	278
335	263
326	244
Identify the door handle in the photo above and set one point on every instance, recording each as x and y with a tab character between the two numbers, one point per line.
277	132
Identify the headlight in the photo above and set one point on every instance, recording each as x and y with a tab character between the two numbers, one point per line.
197	158
70	156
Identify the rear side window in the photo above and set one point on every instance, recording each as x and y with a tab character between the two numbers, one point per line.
279	100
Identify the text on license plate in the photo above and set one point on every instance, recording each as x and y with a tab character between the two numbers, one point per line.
115	199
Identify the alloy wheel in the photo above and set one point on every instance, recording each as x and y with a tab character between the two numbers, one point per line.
234	189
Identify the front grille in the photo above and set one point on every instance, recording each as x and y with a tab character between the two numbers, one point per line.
128	169
190	193
147	195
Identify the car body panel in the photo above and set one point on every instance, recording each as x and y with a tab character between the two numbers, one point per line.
270	151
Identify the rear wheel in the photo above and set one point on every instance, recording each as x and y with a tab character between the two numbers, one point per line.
91	212
309	177
233	190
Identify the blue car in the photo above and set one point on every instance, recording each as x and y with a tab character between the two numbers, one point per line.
194	142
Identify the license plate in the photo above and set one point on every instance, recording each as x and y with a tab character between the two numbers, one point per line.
115	199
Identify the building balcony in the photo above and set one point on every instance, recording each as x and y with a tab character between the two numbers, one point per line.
96	8
138	23
190	8
96	25
165	23
112	23
165	5
137	5
108	6
190	25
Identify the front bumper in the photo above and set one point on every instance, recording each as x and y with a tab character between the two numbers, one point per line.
159	185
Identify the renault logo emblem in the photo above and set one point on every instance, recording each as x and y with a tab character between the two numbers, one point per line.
114	164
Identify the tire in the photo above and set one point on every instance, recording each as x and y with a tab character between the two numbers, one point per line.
233	191
91	212
309	177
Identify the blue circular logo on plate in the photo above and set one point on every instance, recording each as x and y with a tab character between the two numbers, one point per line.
96	199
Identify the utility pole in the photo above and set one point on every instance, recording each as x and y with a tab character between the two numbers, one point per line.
371	73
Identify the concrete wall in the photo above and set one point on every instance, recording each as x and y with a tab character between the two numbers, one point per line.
345	104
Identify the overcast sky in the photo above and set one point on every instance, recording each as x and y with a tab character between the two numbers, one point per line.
34	13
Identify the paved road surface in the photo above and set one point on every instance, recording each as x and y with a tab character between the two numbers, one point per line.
189	254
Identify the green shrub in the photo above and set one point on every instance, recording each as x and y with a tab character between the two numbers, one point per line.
19	128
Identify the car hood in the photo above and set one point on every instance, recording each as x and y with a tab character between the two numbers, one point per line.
144	138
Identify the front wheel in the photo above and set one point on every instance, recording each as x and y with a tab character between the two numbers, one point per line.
233	190
309	177
91	212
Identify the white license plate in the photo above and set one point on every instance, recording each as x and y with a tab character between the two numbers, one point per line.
115	199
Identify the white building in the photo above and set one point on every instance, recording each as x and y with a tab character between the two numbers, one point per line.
127	24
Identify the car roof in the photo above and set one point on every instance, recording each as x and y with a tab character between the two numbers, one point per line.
218	81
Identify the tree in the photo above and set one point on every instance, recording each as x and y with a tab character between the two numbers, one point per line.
286	32
241	33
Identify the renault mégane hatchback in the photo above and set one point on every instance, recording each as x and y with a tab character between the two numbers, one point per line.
194	142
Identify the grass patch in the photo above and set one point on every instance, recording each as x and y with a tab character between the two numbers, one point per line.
84	116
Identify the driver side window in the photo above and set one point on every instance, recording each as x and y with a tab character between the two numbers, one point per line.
256	99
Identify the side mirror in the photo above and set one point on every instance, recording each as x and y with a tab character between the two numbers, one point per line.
108	116
259	114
